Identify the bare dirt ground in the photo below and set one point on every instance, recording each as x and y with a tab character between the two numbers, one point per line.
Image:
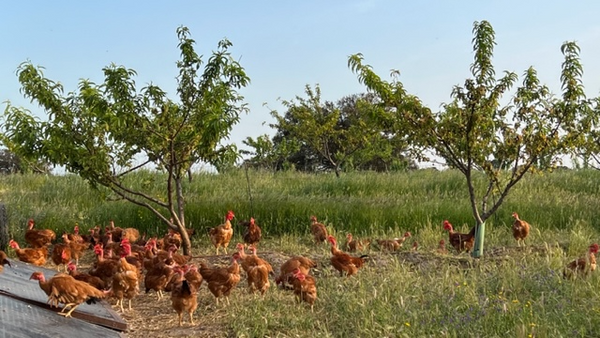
151	317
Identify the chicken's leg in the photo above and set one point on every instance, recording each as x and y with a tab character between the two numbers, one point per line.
192	317
68	314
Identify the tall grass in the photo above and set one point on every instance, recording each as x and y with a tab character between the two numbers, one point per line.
363	203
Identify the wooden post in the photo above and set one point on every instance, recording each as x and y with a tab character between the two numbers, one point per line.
3	227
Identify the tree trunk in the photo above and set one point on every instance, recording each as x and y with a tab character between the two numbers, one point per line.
186	244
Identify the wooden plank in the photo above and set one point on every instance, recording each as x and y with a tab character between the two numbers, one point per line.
21	320
15	283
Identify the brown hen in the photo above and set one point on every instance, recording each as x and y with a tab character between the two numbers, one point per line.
305	287
343	262
583	266
318	230
253	232
221	280
29	255
38	238
65	289
220	236
461	242
520	229
184	298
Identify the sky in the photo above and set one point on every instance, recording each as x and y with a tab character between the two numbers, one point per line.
287	45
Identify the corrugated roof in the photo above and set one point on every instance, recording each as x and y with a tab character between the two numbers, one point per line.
25	313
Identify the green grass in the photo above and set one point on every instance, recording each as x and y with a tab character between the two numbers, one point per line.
508	293
362	203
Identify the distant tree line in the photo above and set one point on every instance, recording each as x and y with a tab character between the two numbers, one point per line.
354	133
10	163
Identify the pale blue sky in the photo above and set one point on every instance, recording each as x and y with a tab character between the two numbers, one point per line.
285	45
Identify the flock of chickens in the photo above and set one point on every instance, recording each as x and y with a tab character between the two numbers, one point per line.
124	260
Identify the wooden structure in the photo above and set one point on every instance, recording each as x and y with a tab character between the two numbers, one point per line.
25	312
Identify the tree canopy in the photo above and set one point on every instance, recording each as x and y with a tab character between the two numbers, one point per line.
313	135
99	131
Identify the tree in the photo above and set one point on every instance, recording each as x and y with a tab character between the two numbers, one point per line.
99	131
12	164
330	136
268	155
388	144
475	130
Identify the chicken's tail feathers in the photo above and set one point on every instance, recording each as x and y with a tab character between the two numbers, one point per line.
185	288
472	232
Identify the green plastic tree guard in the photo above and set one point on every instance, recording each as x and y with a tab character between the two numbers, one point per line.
479	236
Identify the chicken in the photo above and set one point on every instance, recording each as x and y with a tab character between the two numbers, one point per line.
582	266
415	246
38	238
131	259
161	255
461	242
220	236
252	259
393	244
305	287
318	230
125	283
520	229
61	255
158	276
442	247
104	269
289	266
131	234
253	232
75	236
221	280
257	270
76	247
172	238
3	260
84	277
353	245
118	234
184	298
65	289
111	245
343	262
193	276
29	255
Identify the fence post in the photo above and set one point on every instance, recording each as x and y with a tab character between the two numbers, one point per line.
3	227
